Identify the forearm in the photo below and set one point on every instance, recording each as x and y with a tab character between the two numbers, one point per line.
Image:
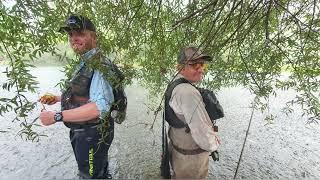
58	98
81	114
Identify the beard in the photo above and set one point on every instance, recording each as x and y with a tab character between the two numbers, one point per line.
81	48
78	49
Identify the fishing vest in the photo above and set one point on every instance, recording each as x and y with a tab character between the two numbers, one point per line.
212	105
175	122
170	115
77	94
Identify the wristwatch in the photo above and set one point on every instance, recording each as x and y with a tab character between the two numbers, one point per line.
58	117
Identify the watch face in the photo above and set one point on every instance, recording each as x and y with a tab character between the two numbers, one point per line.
58	117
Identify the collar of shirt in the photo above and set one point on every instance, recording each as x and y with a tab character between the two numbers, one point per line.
88	55
179	76
83	59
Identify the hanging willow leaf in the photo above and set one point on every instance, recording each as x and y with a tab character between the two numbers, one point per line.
254	43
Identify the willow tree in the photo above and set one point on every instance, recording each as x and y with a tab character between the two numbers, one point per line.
253	42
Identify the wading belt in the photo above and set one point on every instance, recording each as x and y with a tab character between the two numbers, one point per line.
188	151
79	127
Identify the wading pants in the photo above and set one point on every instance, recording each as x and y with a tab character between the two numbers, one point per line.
92	157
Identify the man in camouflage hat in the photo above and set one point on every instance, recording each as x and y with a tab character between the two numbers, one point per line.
191	133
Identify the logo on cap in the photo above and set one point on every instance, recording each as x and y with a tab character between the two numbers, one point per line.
77	23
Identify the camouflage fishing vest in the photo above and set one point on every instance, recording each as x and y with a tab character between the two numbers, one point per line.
77	94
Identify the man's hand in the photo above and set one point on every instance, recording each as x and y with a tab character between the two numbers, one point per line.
47	117
49	99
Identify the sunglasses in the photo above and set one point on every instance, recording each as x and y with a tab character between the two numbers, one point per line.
199	65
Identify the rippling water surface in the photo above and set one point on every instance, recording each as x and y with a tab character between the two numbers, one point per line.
287	149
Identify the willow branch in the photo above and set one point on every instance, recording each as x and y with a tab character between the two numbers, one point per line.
135	14
178	22
240	26
267	21
294	16
13	70
213	24
226	20
248	70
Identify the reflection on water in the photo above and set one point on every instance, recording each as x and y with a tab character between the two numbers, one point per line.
286	149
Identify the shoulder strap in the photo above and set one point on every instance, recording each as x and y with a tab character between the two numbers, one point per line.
170	115
115	75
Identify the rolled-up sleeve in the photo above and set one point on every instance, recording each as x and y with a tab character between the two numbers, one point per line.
101	93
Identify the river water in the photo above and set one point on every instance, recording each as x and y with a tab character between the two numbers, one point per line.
286	149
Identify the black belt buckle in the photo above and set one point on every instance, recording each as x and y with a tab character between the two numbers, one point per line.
215	128
215	156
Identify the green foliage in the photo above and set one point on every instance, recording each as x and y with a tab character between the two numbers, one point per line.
254	43
25	34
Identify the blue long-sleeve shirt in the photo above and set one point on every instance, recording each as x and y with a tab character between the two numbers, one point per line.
100	89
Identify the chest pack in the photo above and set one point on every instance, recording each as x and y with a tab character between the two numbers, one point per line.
212	105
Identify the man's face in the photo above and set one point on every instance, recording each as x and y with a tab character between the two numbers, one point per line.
82	41
194	71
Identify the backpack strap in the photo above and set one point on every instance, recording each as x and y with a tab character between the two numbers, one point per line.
170	115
